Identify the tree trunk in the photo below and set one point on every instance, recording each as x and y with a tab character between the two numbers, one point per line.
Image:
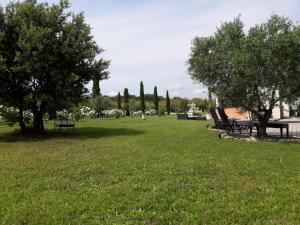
210	97
21	120
263	119
38	122
262	129
52	113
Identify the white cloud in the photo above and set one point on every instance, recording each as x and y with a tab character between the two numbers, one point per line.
176	90
112	93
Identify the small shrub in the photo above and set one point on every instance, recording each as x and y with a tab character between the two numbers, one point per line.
118	114
100	103
151	112
62	115
92	114
84	112
10	115
28	116
137	113
161	112
75	111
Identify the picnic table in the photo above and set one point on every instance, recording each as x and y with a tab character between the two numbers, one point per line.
274	124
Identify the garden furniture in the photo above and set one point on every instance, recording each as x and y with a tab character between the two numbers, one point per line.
274	124
64	123
231	124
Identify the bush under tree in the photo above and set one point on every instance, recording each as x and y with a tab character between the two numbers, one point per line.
100	103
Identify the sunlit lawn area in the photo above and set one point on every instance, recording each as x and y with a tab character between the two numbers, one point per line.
157	171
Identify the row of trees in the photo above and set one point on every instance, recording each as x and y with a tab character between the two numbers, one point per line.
256	70
177	104
47	56
142	100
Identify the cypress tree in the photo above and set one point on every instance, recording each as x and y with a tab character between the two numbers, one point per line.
155	99
99	72
168	103
96	87
142	97
126	102
205	105
119	101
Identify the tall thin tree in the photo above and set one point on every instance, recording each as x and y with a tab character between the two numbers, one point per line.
126	102
96	87
155	99
119	101
168	108
99	72
142	97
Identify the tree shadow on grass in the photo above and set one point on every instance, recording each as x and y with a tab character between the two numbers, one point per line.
77	133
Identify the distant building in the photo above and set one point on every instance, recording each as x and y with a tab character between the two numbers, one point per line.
281	112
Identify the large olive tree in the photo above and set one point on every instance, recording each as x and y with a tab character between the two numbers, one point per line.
255	70
47	56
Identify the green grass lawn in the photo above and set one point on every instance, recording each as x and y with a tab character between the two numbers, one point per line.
157	171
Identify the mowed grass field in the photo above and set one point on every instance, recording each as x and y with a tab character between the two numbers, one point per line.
157	171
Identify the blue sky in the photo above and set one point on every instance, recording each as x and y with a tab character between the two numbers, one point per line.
150	41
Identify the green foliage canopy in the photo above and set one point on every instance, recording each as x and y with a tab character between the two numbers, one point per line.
101	103
47	56
256	70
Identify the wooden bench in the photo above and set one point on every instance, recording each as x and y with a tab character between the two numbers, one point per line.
279	125
64	123
185	116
